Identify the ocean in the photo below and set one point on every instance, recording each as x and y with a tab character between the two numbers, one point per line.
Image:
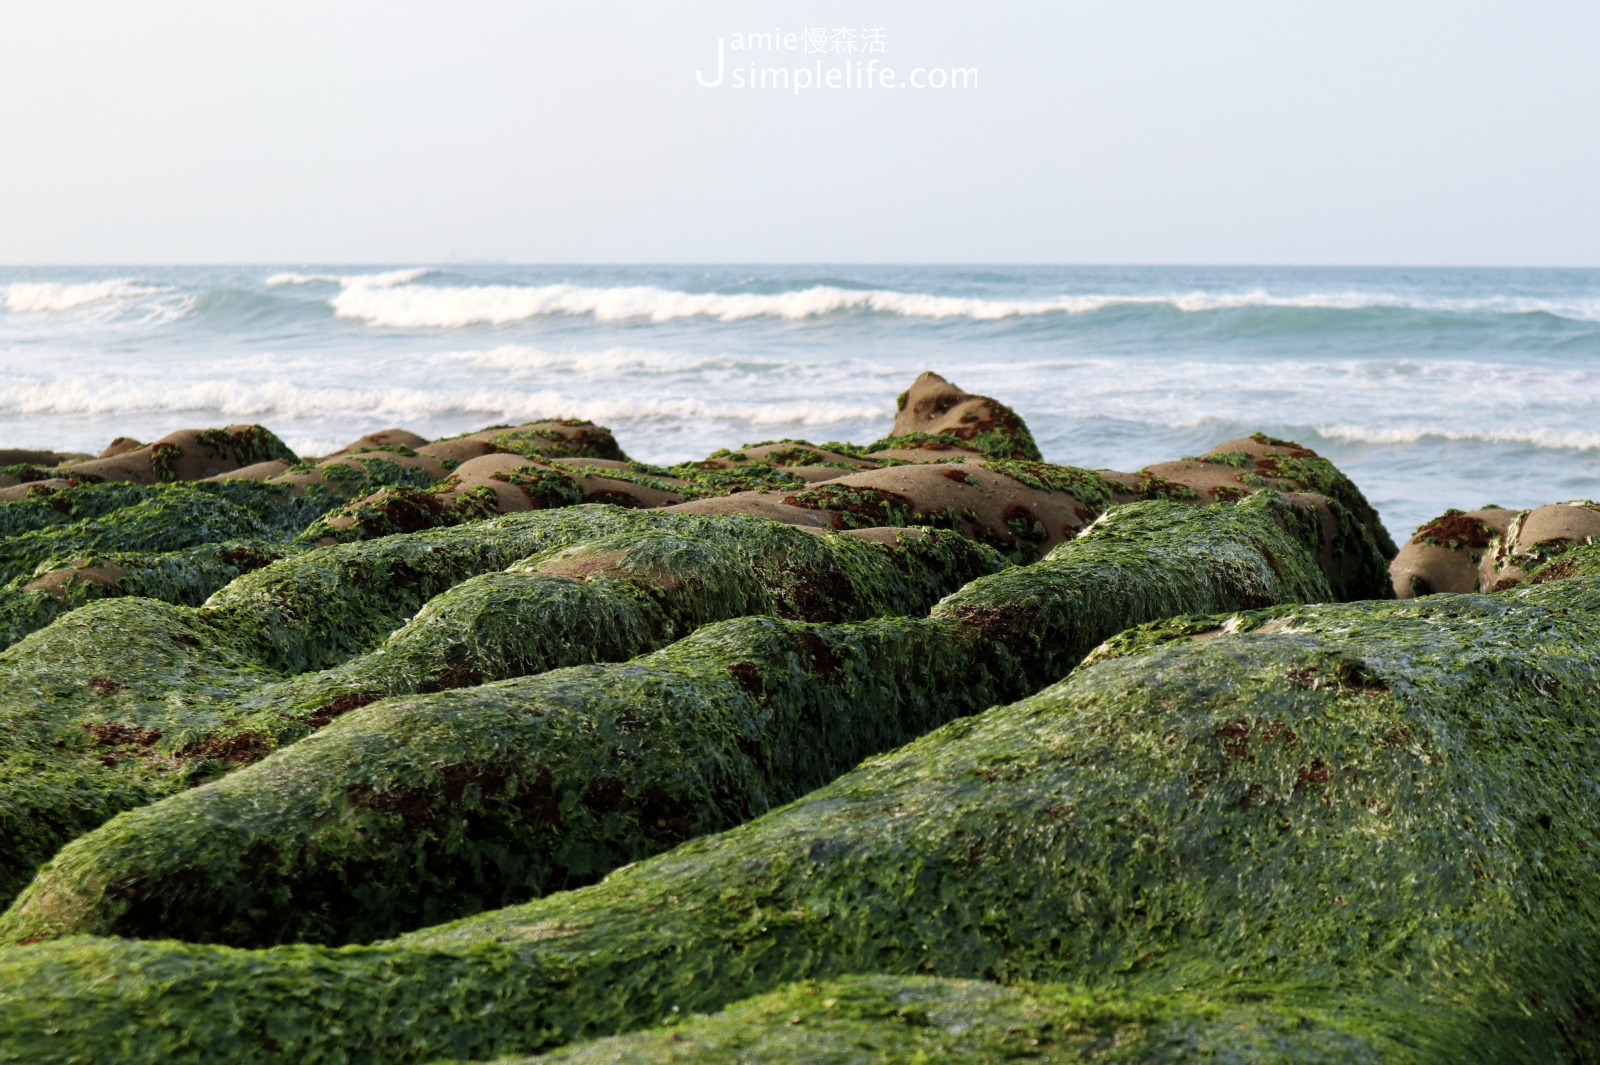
1432	388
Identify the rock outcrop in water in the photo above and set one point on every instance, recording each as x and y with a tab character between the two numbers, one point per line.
1493	549
255	700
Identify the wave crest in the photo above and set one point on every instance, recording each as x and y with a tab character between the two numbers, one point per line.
25	297
1543	439
233	399
385	279
386	300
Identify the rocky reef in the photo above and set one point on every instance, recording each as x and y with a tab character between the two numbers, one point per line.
921	749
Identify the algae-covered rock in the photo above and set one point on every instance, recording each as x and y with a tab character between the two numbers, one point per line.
412	811
506	483
1492	549
1361	812
156	518
173	542
1252	463
864	1020
226	862
557	438
127	699
1159	559
618	596
934	407
203	691
184	577
186	455
1021	508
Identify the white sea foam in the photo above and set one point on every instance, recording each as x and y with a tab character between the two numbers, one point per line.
265	399
385	279
25	297
385	301
609	363
1544	439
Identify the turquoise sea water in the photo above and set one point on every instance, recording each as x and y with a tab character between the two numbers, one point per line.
1431	387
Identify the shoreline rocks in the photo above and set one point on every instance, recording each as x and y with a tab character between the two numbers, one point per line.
1188	813
344	849
923	745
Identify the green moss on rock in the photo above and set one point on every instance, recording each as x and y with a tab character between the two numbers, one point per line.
412	811
212	685
864	1020
146	518
1365	815
1157	559
1009	633
186	577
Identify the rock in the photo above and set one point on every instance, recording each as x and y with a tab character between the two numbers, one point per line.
120	446
204	678
744	715
1283	813
933	406
1494	549
402	440
1021	508
1251	463
567	437
186	455
24	457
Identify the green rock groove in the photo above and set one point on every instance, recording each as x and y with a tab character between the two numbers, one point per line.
320	843
127	700
865	1020
1375	814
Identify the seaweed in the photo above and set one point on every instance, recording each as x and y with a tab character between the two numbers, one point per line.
219	675
185	577
1364	816
148	518
925	1019
1089	487
415	810
1157	559
1310	472
220	863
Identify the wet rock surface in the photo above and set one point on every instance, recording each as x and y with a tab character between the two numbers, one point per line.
925	748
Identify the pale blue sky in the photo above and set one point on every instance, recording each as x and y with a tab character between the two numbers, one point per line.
1279	131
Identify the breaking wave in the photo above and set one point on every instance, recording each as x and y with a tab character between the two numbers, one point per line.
35	297
393	301
385	279
267	399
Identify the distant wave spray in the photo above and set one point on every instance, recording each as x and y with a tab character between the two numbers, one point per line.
393	301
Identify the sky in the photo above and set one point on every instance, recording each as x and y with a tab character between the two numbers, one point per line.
1117	131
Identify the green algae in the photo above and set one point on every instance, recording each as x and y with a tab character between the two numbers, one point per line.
614	597
1157	559
185	577
930	441
71	692
1370	816
174	542
1087	486
150	518
1311	472
864	1020
591	441
209	689
1017	630
412	811
398	509
1559	562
